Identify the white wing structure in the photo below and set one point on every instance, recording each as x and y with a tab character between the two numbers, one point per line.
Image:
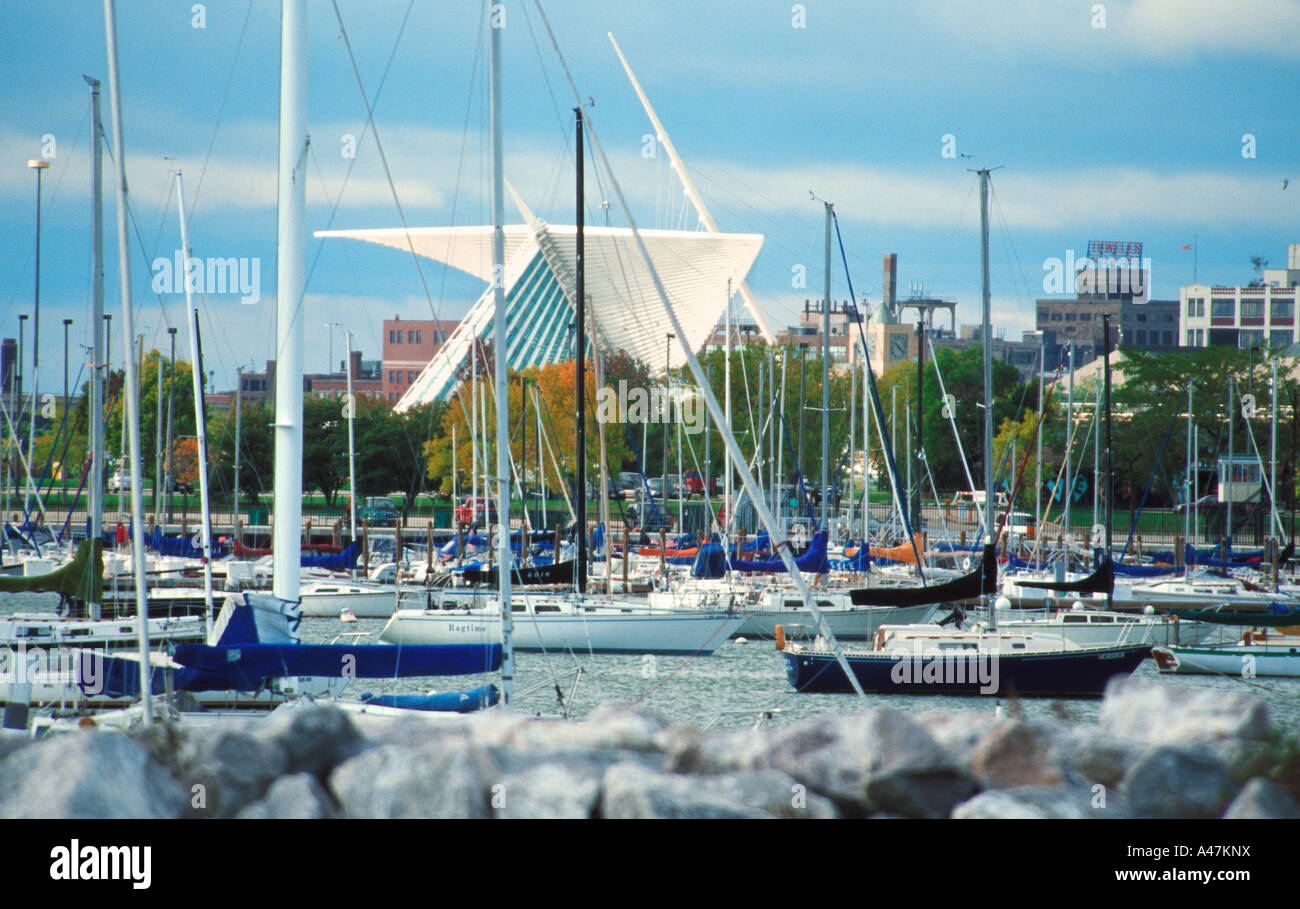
697	268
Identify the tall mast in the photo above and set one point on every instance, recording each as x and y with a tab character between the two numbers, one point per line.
200	412
920	422
580	364
291	254
988	371
1110	590
826	375
1038	463
131	411
504	560
239	420
96	415
1068	493
352	448
1226	488
1190	485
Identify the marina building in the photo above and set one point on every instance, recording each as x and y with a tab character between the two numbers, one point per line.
1261	314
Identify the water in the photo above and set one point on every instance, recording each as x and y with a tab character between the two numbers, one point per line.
729	689
732	687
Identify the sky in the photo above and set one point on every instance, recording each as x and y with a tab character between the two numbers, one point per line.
1159	121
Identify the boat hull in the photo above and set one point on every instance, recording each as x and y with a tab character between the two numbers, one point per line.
1073	673
858	622
368	605
677	633
1275	661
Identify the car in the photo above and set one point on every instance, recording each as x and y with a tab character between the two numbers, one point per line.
656	486
629	481
378	510
120	481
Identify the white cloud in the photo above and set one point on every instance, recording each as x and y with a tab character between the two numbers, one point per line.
1134	29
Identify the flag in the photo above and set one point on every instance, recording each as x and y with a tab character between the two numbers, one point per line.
1184	247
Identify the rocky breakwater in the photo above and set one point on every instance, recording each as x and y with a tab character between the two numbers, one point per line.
1155	751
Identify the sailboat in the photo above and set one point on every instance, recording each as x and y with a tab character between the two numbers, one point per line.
928	659
576	621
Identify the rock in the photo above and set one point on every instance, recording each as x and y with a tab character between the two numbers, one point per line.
634	791
1016	754
1176	781
1097	756
1156	713
549	790
959	731
315	739
233	768
87	774
606	727
1067	801
1262	799
409	730
448	779
1244	758
877	760
11	740
298	796
724	751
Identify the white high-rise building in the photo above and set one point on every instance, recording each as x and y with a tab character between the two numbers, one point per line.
1262	314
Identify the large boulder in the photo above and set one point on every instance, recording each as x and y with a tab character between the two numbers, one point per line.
1178	781
87	774
870	762
448	779
299	796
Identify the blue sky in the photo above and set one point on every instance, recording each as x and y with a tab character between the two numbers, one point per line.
1131	131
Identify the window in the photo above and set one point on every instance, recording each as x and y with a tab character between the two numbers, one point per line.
1167	338
1071	317
1279	338
1252	309
1056	317
410	375
410	337
1142	317
418	337
1247	339
1196	307
1223	309
1141	337
1085	317
1282	309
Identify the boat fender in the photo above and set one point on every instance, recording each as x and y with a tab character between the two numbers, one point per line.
780	638
880	639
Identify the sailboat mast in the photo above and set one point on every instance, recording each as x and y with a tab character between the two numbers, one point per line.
1110	483
131	411
200	413
504	560
1190	485
96	416
988	372
291	252
352	448
826	375
580	362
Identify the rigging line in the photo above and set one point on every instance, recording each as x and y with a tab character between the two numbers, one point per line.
890	465
952	421
365	128
388	175
221	110
1009	240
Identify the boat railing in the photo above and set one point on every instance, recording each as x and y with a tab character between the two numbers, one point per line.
566	704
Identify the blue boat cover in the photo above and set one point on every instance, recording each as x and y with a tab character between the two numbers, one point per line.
335	561
709	562
444	701
813	561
